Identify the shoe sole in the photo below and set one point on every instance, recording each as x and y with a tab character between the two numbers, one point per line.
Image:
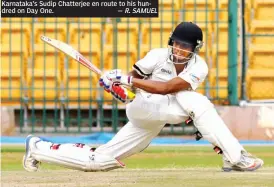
226	169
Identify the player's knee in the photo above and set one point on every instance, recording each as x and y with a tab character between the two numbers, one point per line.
195	104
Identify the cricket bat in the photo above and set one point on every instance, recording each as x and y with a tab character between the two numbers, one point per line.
70	51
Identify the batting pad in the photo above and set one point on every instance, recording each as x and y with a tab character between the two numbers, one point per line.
213	129
210	124
76	158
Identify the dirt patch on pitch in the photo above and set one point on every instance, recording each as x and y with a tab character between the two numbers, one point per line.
200	177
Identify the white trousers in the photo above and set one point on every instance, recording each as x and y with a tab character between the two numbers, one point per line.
147	115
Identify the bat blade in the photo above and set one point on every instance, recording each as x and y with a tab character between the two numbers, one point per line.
70	51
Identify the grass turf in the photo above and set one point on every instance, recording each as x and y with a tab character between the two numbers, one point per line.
156	166
153	157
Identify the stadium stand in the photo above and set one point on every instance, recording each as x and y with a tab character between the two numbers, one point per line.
48	73
156	34
126	33
51	30
198	11
261	56
79	86
219	84
89	35
14	61
45	73
263	9
258	79
13	32
262	29
125	57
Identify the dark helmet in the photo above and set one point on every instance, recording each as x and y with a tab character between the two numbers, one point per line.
189	33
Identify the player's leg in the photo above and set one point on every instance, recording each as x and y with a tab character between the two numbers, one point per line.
74	156
148	119
148	114
131	139
213	129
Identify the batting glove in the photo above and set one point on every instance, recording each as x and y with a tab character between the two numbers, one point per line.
121	94
115	76
105	84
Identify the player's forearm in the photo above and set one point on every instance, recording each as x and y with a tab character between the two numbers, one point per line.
155	87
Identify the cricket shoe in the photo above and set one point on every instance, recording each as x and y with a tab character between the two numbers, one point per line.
247	163
29	163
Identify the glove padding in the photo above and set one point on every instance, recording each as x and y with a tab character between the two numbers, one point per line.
114	77
112	82
106	86
121	94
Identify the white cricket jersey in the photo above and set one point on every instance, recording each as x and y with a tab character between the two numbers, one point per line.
157	66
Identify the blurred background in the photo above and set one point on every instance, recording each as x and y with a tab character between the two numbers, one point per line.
44	91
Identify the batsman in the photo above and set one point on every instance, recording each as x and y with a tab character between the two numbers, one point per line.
165	81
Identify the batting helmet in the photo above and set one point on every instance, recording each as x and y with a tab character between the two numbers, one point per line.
188	34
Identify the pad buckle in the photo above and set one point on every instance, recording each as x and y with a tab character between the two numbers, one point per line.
218	150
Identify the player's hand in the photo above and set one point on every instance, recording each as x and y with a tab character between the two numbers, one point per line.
114	77
121	94
105	83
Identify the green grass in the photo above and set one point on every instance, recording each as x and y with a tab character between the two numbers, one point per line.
156	166
153	157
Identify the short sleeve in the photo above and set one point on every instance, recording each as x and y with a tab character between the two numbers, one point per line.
146	65
195	75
